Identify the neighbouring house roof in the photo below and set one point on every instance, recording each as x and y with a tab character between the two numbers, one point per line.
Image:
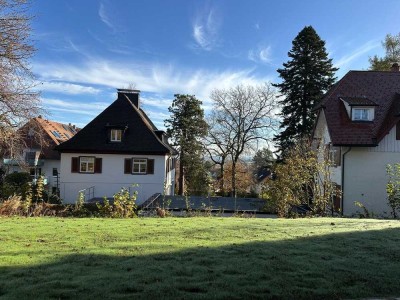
52	134
362	88
58	132
140	135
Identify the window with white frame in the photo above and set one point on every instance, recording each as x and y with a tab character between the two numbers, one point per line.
363	114
139	166
86	164
116	135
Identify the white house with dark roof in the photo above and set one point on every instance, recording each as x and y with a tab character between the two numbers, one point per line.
358	122
119	148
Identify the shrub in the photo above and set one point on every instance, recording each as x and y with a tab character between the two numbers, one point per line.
303	179
16	206
124	205
15	184
393	187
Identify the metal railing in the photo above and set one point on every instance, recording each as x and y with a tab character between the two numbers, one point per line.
87	193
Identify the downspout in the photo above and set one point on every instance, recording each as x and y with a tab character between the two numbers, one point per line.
343	159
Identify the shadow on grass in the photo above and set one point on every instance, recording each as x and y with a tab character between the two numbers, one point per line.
335	266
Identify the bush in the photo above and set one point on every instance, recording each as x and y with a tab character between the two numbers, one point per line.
16	206
303	179
124	205
393	187
15	184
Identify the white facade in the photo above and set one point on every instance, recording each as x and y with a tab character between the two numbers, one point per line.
112	177
46	167
364	174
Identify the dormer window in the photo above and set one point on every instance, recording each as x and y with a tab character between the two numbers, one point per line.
359	108
116	135
362	114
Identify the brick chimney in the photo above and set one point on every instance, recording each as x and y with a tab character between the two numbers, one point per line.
395	67
133	96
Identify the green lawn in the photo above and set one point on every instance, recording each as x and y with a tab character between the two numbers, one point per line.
198	258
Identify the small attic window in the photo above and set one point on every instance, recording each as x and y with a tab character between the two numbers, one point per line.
362	114
115	135
56	134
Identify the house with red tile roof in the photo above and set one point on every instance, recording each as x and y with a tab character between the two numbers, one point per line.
121	147
358	122
39	157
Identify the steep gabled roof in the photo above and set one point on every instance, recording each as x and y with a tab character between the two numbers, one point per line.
373	88
58	132
43	134
139	133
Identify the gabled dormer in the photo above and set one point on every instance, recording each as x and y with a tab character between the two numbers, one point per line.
359	109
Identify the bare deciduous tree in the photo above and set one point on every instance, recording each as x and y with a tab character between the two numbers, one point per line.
242	117
18	103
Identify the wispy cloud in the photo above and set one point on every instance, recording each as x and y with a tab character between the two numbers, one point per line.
346	60
261	54
257	26
75	107
67	88
104	17
148	77
205	30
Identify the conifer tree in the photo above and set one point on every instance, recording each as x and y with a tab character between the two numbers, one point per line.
307	75
186	127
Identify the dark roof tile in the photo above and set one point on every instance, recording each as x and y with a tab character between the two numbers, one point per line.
139	135
362	87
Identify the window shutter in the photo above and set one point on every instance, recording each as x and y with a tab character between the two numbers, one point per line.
398	131
150	166
128	166
74	164
98	164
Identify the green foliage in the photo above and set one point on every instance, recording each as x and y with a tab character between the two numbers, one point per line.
303	178
105	209
392	54
124	205
186	128
393	187
305	78
15	183
263	158
80	209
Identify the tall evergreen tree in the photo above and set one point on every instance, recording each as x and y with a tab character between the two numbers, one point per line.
305	78
186	128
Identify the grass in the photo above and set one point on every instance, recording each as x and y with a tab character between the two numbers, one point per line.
198	258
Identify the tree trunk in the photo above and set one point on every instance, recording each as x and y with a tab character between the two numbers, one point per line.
181	182
233	189
222	182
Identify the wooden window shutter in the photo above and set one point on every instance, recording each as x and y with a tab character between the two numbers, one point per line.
128	166
74	164
398	131
98	164
150	166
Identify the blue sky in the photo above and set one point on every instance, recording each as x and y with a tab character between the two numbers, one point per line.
87	49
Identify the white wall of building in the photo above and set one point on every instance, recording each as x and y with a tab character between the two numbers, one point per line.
322	132
112	177
365	180
365	175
